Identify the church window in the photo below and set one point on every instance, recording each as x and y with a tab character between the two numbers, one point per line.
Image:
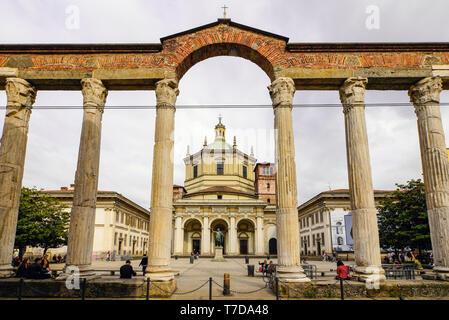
268	200
268	186
220	168
245	172
195	171
219	197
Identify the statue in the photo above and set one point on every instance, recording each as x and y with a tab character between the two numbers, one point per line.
219	238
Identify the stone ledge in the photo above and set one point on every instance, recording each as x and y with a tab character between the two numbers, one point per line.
97	288
353	289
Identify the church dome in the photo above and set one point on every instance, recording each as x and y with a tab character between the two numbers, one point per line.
219	145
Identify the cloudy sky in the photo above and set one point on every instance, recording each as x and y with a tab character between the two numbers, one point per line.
127	136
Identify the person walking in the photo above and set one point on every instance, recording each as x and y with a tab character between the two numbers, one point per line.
108	256
143	263
126	271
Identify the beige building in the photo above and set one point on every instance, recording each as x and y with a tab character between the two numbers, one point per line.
219	193
121	226
325	222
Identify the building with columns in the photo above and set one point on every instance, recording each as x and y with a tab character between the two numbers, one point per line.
121	226
325	222
221	191
350	68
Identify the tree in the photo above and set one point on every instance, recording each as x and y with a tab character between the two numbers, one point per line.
403	218
43	221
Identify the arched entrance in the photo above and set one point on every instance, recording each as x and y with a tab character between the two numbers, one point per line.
192	236
273	246
223	226
245	236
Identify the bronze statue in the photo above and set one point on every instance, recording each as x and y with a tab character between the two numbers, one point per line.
219	238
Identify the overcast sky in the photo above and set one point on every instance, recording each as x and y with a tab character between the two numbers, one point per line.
128	135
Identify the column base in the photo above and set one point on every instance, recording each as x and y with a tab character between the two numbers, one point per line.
83	271
159	273
6	271
291	274
441	273
372	275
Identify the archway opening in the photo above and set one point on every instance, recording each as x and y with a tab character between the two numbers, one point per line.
273	246
245	235
192	236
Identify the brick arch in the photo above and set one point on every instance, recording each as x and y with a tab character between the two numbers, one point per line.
225	49
184	50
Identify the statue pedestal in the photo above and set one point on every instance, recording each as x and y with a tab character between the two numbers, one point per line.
219	254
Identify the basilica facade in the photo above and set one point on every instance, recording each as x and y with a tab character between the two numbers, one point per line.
225	189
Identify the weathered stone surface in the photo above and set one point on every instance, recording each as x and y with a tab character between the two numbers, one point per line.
82	217
425	95
352	289
287	225
21	96
364	214
390	64
162	183
97	288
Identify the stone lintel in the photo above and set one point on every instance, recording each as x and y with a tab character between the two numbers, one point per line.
304	78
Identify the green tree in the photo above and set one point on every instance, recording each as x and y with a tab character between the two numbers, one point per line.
42	222
403	218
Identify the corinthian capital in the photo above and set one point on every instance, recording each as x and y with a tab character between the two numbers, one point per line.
166	92
282	91
20	93
426	90
94	93
353	91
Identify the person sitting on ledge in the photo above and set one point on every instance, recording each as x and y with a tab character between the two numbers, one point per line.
126	271
342	271
35	270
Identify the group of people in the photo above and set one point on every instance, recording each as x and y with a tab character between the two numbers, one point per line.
39	269
407	257
326	257
127	271
267	268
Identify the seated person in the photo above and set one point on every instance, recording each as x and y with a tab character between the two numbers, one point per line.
126	271
342	271
35	271
262	266
386	260
22	268
271	268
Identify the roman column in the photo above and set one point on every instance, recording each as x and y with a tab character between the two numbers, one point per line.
289	268
82	216
205	241
425	95
179	236
162	182
364	213
21	96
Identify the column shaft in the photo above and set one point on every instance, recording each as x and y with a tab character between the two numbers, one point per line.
179	237
232	237
82	217
425	95
205	241
259	236
287	225
21	96
162	182
364	213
